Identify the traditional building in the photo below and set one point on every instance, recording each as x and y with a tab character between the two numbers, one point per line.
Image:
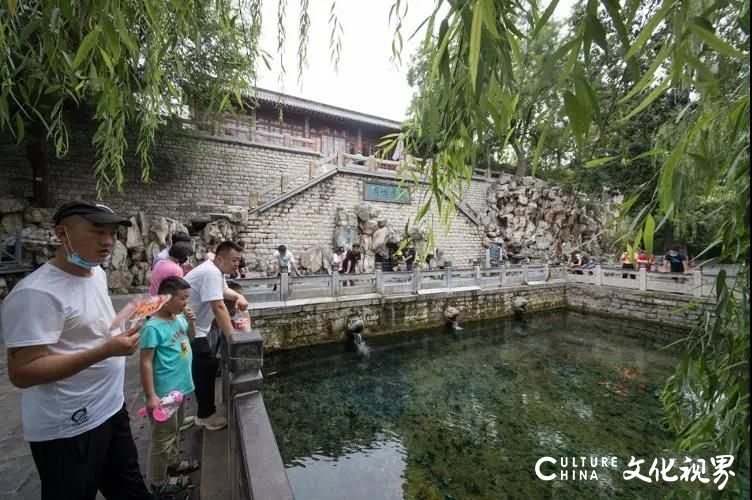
284	120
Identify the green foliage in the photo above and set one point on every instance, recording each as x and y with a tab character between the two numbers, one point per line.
655	96
126	65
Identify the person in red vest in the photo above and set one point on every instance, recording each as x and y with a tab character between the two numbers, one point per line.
644	260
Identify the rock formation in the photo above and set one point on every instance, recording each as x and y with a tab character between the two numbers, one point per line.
534	220
129	263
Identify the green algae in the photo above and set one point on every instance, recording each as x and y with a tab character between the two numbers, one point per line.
439	414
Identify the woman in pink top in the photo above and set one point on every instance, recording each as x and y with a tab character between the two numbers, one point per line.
170	266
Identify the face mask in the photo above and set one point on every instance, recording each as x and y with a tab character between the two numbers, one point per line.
76	259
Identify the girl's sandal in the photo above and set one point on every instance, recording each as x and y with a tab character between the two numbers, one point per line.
171	486
184	467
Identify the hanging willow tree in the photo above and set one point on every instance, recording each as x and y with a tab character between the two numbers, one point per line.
133	64
123	65
698	50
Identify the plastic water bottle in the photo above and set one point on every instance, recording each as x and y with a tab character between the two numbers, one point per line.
241	321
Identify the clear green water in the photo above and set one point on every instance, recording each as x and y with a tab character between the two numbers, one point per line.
466	414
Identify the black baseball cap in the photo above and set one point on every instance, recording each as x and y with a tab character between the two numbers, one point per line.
93	212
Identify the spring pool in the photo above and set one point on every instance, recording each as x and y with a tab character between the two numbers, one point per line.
462	414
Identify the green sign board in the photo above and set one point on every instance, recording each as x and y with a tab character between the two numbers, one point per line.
390	193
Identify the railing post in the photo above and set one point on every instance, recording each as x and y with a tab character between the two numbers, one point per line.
284	286
281	184
253	199
448	277
503	275
488	258
598	275
697	282
340	159
416	280
335	284
546	272
643	277
380	281
477	276
311	168
524	274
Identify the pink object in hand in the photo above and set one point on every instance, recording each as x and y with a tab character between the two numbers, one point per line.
168	405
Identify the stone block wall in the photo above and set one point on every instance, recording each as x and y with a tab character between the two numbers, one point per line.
312	322
325	320
308	220
190	176
475	195
659	307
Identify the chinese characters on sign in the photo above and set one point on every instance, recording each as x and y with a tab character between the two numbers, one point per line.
692	470
390	193
689	470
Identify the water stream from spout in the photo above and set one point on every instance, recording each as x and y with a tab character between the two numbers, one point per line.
360	345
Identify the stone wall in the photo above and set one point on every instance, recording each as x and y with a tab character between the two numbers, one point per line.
190	177
308	220
324	320
311	322
661	307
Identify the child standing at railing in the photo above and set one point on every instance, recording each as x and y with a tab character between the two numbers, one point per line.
166	366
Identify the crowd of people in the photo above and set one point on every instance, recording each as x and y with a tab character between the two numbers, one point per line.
674	261
67	355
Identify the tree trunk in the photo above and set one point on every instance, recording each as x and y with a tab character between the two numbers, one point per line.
522	168
35	153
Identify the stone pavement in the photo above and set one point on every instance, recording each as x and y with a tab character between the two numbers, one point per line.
18	476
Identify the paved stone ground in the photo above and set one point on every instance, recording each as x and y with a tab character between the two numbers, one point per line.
18	476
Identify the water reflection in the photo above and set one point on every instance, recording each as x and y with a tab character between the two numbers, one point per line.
323	477
436	415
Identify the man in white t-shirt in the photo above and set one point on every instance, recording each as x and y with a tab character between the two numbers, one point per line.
71	366
208	293
285	261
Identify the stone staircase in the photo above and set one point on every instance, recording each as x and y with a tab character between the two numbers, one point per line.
326	169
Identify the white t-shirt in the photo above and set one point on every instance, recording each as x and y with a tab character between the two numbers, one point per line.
69	314
284	263
207	284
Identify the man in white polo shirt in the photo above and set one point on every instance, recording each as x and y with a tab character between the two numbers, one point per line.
71	367
208	293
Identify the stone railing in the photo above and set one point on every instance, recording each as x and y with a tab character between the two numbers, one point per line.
247	131
290	182
283	288
697	282
255	466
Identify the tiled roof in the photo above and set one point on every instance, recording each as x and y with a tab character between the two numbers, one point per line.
300	104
